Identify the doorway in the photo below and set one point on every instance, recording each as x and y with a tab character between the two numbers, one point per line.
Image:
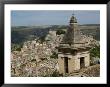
82	62
66	64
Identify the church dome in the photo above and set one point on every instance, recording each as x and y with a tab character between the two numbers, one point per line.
73	20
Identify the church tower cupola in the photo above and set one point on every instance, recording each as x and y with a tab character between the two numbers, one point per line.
73	19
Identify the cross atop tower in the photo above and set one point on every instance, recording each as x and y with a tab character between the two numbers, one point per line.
73	14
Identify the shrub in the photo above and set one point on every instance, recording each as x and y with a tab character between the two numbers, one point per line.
59	32
55	74
95	52
16	47
54	55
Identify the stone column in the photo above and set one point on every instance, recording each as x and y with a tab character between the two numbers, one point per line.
71	63
87	60
77	63
61	63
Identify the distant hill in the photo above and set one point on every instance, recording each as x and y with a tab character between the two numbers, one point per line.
90	25
91	29
19	34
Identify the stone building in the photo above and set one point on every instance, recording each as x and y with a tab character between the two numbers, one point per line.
73	51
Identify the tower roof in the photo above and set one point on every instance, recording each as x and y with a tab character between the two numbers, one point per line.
73	35
73	19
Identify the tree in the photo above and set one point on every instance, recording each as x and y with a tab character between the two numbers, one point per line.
16	47
55	74
54	55
59	32
95	52
42	39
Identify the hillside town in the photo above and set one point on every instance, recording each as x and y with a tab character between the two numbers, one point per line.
44	59
34	58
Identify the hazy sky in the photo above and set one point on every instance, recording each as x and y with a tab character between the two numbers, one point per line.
62	17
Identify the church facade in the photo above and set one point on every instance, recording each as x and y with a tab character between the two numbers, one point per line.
73	51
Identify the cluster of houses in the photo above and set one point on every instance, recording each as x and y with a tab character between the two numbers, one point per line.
34	57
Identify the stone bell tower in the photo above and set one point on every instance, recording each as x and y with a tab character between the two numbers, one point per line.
73	51
73	34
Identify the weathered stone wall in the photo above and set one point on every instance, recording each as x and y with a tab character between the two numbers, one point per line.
61	64
71	64
77	63
73	61
86	56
